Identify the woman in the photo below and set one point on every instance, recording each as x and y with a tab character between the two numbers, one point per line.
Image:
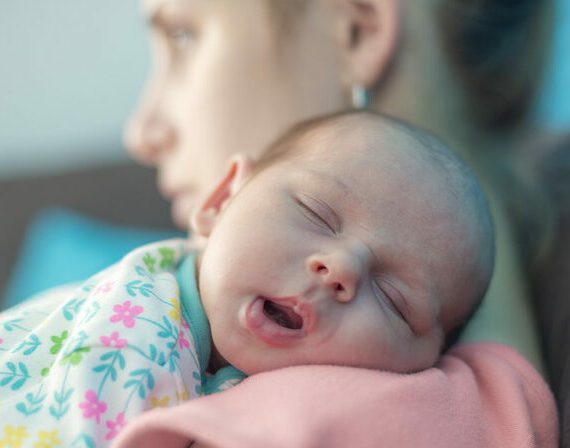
229	76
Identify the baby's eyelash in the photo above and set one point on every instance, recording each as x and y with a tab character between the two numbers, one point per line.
390	300
314	217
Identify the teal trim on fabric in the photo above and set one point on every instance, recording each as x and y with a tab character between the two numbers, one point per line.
213	383
193	311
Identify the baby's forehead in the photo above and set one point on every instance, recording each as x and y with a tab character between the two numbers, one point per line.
368	147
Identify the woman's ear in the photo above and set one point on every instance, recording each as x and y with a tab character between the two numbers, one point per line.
369	35
236	175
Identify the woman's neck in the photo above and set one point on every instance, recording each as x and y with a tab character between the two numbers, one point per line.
421	87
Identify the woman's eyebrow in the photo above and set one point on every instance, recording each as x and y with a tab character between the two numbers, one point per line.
158	17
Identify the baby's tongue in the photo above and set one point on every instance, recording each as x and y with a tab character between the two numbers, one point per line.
282	315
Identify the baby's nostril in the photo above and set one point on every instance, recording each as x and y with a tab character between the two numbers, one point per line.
319	268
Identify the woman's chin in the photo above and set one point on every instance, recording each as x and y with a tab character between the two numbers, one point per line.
181	211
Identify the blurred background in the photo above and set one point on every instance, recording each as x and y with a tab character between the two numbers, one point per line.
71	202
70	73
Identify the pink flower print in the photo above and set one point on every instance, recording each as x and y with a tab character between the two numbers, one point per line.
105	287
183	341
126	313
113	340
115	426
92	407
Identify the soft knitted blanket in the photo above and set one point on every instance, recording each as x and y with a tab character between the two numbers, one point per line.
478	395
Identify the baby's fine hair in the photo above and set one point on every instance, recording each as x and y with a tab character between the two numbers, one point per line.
461	181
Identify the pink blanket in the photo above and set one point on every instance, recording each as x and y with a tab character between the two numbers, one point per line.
479	395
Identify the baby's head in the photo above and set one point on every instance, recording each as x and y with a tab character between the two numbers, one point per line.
356	240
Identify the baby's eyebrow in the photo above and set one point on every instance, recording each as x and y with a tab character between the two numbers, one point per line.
327	178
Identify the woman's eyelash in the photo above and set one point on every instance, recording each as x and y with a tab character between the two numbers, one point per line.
314	217
180	37
179	33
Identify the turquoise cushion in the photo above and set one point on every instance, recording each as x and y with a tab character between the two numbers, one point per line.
62	246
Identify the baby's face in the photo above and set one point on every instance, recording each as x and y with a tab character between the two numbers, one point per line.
340	256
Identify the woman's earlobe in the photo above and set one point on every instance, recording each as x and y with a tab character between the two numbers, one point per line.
373	30
205	216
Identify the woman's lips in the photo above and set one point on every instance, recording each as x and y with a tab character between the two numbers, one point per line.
278	321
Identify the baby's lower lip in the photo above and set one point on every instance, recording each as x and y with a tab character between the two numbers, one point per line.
258	323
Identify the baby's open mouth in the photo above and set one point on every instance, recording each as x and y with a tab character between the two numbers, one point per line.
278	321
282	315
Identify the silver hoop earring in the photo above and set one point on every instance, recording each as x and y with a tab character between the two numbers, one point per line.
360	97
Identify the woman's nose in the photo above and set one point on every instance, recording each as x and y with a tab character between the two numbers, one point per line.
339	271
150	137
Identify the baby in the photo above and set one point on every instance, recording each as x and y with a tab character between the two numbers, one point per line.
355	240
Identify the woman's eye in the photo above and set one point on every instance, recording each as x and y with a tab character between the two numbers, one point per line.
314	217
180	37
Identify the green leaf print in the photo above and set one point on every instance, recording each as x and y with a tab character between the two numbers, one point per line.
149	262
167	257
58	342
75	357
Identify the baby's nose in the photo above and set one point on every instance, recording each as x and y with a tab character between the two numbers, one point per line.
339	272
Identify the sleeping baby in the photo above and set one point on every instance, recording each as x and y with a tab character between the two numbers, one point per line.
355	240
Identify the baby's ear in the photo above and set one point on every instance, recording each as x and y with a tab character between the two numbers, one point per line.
236	175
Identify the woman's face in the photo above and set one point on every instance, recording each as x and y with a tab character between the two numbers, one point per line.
228	77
